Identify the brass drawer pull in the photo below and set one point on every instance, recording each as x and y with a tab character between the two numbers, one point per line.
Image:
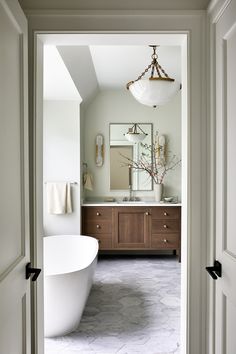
98	226
165	226
98	214
165	213
165	240
147	213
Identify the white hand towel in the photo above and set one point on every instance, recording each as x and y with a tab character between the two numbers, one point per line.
88	181
58	198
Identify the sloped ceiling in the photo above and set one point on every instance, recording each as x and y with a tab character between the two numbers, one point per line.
81	68
57	83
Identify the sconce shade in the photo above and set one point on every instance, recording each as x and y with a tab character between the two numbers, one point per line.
156	90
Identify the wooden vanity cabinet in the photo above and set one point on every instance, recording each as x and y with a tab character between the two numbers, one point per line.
134	227
131	228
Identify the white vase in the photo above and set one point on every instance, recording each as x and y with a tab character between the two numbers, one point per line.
158	190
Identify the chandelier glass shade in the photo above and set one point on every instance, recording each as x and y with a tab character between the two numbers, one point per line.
156	90
135	134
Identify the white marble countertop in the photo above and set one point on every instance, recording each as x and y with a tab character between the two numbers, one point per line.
135	203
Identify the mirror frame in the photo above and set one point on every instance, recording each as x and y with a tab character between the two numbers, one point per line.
129	124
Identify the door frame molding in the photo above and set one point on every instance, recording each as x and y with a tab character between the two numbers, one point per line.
215	10
192	23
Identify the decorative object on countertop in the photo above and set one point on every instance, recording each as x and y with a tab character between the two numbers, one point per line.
157	162
87	178
135	134
109	199
99	150
158	191
168	199
58	198
157	90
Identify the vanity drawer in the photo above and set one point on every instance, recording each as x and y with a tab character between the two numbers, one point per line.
165	226
165	212
163	241
97	227
104	240
97	213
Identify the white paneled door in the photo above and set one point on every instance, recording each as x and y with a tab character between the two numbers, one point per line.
14	210
225	317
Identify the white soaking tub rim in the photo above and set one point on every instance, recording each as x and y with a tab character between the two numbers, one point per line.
63	261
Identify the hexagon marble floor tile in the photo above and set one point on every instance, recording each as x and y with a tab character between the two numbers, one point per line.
133	307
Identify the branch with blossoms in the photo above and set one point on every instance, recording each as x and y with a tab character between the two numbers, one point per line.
150	162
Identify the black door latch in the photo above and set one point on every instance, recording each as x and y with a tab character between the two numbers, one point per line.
29	270
215	271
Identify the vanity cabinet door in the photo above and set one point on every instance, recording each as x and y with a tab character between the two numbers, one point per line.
131	228
104	241
166	213
97	223
98	227
97	213
166	228
165	241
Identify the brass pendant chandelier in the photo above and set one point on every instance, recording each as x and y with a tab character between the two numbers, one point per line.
135	134
156	90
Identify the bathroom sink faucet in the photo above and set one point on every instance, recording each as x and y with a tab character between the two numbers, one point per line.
130	193
130	183
131	197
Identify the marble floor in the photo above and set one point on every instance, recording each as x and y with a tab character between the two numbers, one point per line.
133	307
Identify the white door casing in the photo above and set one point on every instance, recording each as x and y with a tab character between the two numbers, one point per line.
194	227
14	185
225	82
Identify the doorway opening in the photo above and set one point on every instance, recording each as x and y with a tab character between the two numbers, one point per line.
83	146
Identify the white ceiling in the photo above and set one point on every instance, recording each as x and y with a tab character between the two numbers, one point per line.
109	39
84	69
115	66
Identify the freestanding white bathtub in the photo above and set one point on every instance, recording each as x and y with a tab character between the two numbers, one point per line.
69	266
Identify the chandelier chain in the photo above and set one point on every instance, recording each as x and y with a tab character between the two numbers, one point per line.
157	69
144	72
154	65
163	71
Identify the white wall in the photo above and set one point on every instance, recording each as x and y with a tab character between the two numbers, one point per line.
117	106
61	162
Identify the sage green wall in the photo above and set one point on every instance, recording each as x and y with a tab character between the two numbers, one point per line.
118	106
